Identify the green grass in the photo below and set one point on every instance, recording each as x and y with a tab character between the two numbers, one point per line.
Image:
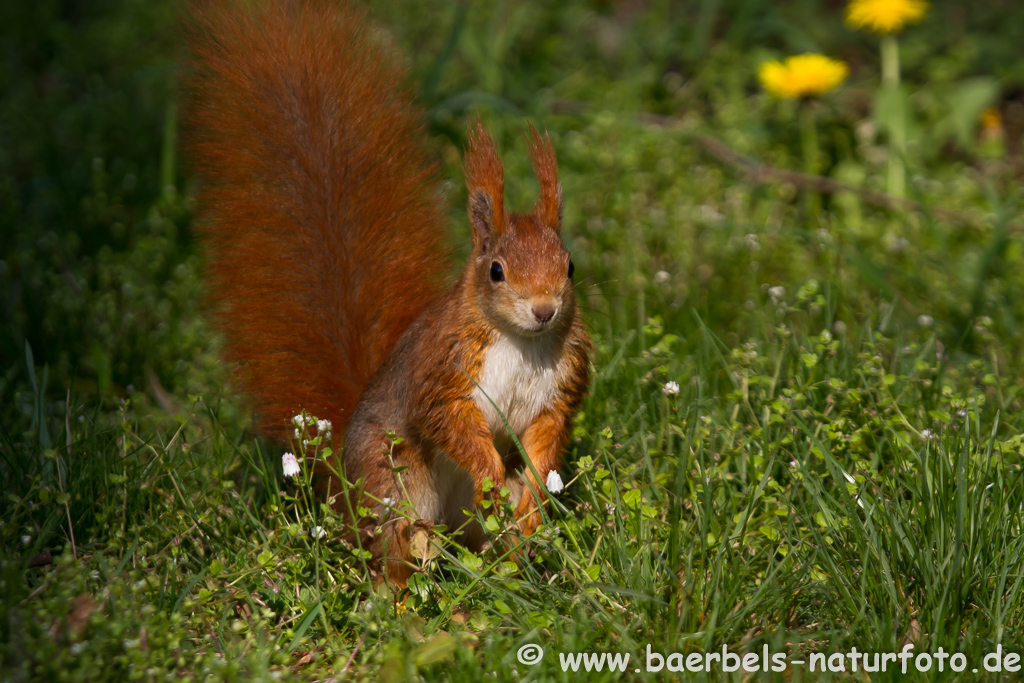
840	466
808	492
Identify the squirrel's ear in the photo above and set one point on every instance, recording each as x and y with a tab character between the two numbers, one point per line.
549	202
485	180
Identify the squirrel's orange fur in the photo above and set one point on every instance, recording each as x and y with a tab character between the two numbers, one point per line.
323	224
321	213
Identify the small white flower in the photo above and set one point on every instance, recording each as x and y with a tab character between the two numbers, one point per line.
671	388
305	443
25	540
776	292
297	434
554	482
962	413
925	320
662	276
387	502
327	435
323	425
927	433
899	244
318	532
298	420
792	463
609	508
290	465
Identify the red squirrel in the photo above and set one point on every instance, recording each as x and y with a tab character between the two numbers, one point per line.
323	223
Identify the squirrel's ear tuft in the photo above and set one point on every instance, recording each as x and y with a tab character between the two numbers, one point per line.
549	202
485	180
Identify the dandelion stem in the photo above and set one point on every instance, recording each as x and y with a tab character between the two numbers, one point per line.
890	61
809	143
896	115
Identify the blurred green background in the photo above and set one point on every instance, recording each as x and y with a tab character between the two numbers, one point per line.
100	273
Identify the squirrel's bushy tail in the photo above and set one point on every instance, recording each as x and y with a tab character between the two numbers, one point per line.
321	216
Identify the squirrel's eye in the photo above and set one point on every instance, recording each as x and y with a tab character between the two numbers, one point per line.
572	269
497	272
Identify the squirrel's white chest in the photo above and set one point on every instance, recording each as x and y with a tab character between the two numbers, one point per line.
519	376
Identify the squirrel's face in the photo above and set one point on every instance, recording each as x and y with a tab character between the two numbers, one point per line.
524	283
521	274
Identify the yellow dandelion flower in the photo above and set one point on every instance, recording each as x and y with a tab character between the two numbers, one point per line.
802	75
992	120
884	16
992	124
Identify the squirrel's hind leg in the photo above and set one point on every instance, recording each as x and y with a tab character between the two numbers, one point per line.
402	503
390	549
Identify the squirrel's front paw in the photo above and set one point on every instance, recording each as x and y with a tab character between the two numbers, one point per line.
529	523
527	514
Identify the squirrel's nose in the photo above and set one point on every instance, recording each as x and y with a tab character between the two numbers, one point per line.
543	312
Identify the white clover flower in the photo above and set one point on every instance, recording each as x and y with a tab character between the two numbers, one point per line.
925	320
554	482
318	532
898	245
298	421
323	425
671	388
290	465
